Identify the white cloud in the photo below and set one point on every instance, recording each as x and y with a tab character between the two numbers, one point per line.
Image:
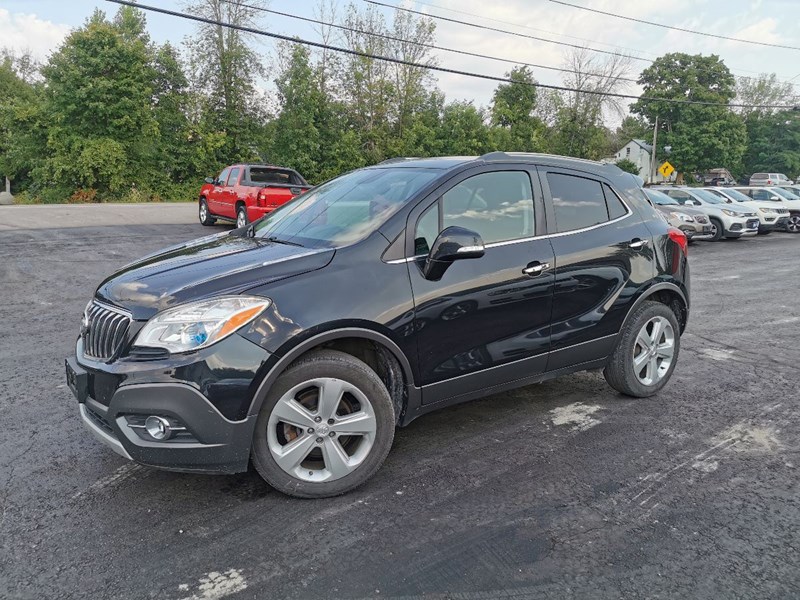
27	32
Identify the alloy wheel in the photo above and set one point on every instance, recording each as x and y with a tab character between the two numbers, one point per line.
321	430
653	351
203	212
241	219
793	224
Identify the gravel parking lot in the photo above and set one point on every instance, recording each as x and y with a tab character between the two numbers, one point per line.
559	490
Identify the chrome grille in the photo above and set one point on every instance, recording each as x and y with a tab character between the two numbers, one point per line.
104	330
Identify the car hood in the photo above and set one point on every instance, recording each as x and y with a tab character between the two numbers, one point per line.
670	208
221	264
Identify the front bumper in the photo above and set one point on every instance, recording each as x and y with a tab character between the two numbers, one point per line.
114	399
773	224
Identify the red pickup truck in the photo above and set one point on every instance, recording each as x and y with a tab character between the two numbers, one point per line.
244	193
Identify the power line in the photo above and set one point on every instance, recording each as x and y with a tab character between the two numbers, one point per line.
498	30
523	26
421	44
515	33
693	31
391	59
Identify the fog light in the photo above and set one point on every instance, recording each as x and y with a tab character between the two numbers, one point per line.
158	428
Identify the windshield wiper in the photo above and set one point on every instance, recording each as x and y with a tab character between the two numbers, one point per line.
287	242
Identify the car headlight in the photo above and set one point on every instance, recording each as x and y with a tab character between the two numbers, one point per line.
731	213
767	211
196	325
682	217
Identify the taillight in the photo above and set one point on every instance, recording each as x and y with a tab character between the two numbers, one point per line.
677	236
261	197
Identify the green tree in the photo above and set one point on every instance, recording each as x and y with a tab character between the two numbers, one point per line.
463	131
773	143
628	166
99	86
223	70
513	106
701	136
21	132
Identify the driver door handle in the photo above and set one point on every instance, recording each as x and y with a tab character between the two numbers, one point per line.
535	268
636	243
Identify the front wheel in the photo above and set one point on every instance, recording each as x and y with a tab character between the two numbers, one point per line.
205	214
717	230
646	353
793	224
325	427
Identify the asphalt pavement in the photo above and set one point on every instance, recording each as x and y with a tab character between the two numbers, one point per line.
559	490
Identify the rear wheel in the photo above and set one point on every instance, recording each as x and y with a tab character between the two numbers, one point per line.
716	230
205	214
325	427
646	353
793	224
241	216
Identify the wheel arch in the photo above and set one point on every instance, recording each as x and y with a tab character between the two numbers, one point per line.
665	293
377	350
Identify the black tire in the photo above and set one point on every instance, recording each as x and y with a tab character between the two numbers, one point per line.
619	371
205	214
339	365
718	232
241	216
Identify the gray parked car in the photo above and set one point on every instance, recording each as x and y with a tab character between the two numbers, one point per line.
692	222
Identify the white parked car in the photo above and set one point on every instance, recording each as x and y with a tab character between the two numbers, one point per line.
729	221
770	216
778	197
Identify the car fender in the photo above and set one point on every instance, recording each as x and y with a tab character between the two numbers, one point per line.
288	357
653	289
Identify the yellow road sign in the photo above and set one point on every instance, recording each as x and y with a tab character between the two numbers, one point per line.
666	169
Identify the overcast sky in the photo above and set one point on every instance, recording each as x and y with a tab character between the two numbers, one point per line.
40	26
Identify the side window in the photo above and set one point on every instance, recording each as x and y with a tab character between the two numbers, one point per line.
427	230
758	194
233	177
578	202
223	177
616	208
681	197
498	206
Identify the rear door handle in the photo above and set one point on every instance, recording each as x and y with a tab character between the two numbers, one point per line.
535	268
636	243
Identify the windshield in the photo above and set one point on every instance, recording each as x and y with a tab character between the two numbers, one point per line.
709	197
784	194
344	210
736	195
660	198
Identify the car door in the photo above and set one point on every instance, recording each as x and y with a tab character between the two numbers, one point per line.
603	256
215	196
487	320
228	197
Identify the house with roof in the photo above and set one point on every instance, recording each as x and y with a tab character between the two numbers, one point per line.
639	152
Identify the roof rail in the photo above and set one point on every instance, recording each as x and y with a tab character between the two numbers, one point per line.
497	155
397	159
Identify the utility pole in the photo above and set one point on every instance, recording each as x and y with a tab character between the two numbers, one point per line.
653	153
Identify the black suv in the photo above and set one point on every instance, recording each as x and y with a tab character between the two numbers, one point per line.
303	339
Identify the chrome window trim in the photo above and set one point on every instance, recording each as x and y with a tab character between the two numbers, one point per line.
400	261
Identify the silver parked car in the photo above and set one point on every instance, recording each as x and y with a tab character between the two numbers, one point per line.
762	179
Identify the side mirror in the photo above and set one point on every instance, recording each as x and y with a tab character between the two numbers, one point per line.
454	243
210	180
